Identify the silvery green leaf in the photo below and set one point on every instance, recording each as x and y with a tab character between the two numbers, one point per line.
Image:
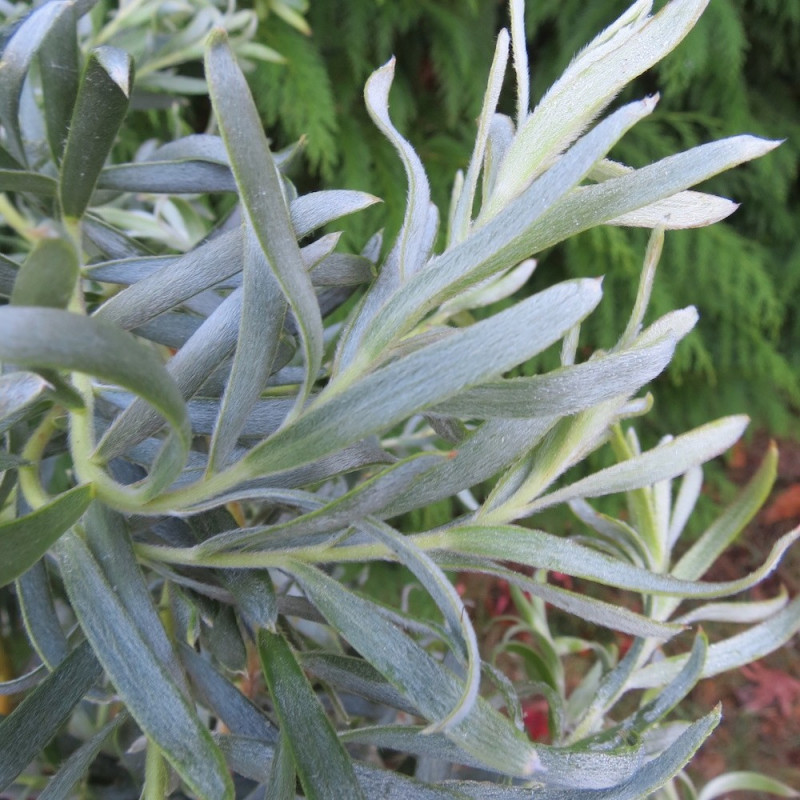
238	713
151	696
60	786
457	621
349	674
168	177
461	218
674	692
744	782
18	180
197	146
702	554
589	609
172	330
470	355
688	494
746	611
323	765
315	209
724	530
501	135
8	275
554	553
597	204
213	342
264	418
568	441
370	496
25	682
55	339
40	617
651	775
682	210
19	391
37	719
342	269
261	194
573	767
730	653
18	53
108	539
253	759
110	241
662	462
48	275
414	240
101	105
609	690
26	539
282	776
491	447
430	687
494	247
569	389
616	56
260	324
492	291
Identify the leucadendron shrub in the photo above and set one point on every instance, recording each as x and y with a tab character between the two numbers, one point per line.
192	449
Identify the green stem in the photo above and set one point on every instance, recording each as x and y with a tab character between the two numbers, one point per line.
29	480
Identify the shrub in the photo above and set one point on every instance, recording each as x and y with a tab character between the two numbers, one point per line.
194	446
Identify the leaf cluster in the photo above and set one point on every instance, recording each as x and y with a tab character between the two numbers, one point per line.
194	438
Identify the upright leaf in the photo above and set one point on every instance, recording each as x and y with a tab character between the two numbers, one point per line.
35	721
100	107
262	196
150	694
323	766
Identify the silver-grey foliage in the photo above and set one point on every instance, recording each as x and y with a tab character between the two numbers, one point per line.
192	448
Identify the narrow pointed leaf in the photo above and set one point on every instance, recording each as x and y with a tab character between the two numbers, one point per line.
151	696
260	325
18	180
59	64
744	782
43	337
18	392
35	721
100	107
168	177
444	594
323	766
238	713
40	617
428	376
586	88
18	54
261	194
554	553
569	389
429	686
661	463
60	786
48	275
501	243
25	540
601	203
413	240
109	541
731	653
